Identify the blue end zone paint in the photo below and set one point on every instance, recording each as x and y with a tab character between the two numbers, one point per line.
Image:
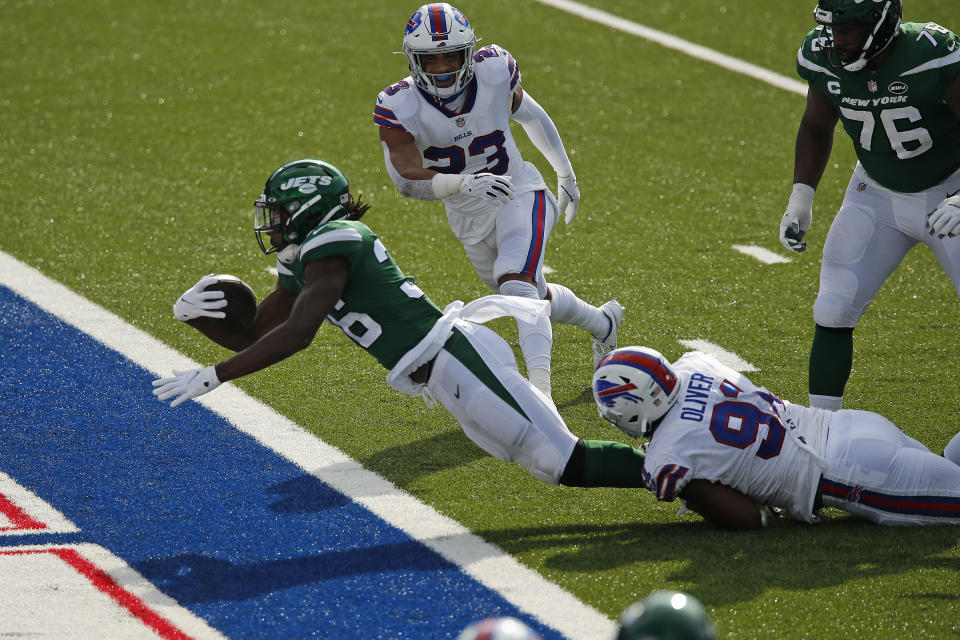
235	533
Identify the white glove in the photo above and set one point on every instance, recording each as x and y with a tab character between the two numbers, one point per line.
492	189
568	196
796	220
186	385
944	221
195	302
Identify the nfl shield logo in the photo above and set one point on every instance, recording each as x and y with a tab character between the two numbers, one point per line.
461	122
872	86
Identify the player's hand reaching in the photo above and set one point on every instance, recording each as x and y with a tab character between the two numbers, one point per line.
944	221
196	303
568	197
186	385
492	189
797	219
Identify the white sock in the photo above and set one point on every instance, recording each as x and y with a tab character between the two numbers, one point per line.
831	403
536	340
952	451
567	308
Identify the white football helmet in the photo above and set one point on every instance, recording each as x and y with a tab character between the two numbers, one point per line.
439	28
505	628
634	387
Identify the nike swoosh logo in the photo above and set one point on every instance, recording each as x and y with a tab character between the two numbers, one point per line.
456	394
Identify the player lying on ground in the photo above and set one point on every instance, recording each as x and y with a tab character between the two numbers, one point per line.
445	131
331	266
731	450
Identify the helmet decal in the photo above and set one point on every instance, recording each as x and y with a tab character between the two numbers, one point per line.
438	22
633	388
413	22
609	392
646	363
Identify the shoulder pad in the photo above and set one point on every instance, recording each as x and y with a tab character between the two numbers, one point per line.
495	65
810	58
400	98
328	240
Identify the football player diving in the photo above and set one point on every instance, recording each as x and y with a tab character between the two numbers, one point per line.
733	452
895	86
332	267
445	132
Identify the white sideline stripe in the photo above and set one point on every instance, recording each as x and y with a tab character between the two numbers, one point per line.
763	255
679	44
486	563
728	358
73	604
35	507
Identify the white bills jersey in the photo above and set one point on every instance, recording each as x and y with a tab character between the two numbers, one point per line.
725	429
475	138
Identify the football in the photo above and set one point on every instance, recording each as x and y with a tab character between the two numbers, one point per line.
241	306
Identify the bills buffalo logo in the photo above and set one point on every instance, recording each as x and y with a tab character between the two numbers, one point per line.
609	392
459	17
897	88
413	22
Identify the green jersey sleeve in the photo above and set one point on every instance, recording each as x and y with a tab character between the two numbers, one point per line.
904	134
381	309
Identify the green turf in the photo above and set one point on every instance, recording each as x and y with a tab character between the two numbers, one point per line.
136	137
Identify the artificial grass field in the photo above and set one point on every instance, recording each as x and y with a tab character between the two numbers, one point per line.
136	137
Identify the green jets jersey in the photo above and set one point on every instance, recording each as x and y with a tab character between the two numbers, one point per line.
905	136
380	309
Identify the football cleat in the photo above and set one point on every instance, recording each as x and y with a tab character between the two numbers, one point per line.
613	310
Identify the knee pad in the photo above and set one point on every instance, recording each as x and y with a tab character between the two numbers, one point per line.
835	311
521	289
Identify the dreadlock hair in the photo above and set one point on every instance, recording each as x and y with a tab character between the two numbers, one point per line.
356	208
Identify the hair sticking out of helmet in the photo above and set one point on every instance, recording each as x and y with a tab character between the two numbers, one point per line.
439	29
855	31
634	387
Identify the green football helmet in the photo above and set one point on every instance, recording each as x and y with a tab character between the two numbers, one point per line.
299	196
880	19
666	615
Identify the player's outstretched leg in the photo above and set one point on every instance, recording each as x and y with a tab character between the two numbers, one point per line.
602	322
536	340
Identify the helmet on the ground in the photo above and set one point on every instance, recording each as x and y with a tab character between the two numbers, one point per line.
502	628
879	18
634	387
439	28
666	615
298	197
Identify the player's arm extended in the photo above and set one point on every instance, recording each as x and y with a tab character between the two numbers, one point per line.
722	506
271	311
325	281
